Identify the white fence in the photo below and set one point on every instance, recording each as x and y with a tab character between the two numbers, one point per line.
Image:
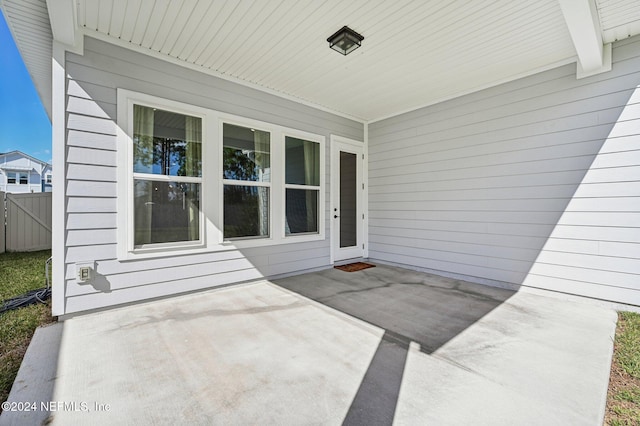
27	224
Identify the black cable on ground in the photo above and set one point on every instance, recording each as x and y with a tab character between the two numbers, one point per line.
34	296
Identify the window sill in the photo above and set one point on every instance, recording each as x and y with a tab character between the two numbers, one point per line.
156	253
262	242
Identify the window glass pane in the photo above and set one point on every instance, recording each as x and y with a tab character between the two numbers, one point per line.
166	143
302	211
24	178
246	154
246	211
348	199
302	162
166	212
11	177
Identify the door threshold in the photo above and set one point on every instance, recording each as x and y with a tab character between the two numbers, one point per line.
347	261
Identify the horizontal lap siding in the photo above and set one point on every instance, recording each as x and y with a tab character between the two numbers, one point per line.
91	178
535	182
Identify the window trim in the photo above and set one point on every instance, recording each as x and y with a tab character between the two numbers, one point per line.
277	234
212	182
264	127
14	176
126	245
153	177
321	188
18	177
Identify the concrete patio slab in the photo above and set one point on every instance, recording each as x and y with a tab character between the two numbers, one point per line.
379	346
474	354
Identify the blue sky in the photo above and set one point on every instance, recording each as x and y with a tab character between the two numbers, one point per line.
24	124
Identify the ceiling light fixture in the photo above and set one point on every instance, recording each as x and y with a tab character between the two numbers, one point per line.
345	40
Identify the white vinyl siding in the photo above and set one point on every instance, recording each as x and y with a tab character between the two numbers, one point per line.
91	181
535	182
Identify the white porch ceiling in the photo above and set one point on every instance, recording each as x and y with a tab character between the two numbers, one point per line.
415	52
619	19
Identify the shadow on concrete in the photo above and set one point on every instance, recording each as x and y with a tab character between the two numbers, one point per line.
370	406
411	307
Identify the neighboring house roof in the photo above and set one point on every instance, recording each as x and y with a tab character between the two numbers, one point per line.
15	168
414	53
43	164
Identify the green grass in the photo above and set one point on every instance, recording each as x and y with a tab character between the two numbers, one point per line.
19	273
624	396
22	272
629	343
626	417
630	395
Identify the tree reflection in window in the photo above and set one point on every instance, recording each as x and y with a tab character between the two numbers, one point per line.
246	154
246	158
166	143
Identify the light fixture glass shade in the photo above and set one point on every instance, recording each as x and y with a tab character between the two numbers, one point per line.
345	40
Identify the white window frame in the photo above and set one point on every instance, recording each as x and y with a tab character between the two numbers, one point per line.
14	176
126	247
277	200
20	175
212	182
235	121
308	236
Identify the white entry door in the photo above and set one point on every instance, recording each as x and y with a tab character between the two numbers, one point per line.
347	190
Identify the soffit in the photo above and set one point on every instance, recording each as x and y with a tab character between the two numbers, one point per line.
415	52
16	168
28	21
619	19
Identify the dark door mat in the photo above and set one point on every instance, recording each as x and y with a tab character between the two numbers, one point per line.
353	267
